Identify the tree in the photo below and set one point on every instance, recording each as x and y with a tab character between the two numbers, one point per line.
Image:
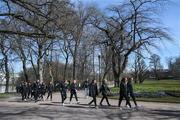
17	10
130	26
155	65
140	69
106	63
80	21
20	47
174	66
5	50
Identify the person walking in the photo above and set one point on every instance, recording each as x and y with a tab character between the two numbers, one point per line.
43	91
123	92
64	87
33	90
73	91
104	89
49	90
29	89
36	89
130	92
24	91
86	88
93	92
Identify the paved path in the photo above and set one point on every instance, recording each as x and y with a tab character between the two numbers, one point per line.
14	109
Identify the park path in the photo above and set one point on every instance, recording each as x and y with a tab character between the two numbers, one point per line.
14	109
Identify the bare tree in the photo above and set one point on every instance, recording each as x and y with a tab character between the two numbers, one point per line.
106	63
155	65
131	26
65	51
20	47
140	69
5	50
174	66
80	22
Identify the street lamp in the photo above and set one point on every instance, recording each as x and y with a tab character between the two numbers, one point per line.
99	58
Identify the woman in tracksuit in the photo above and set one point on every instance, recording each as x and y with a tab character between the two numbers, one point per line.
130	92
123	92
104	89
93	92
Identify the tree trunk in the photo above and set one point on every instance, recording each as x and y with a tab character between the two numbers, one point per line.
40	64
74	61
94	73
25	70
65	68
50	73
115	72
7	76
41	70
116	80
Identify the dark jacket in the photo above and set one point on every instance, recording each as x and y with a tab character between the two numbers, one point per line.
29	87
64	87
129	87
21	88
24	88
43	89
93	90
34	87
50	88
123	88
73	88
85	85
104	89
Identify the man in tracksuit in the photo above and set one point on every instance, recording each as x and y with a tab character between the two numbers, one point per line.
63	89
130	92
104	89
73	90
93	92
36	88
50	88
123	92
24	91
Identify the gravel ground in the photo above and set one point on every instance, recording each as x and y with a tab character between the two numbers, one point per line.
14	109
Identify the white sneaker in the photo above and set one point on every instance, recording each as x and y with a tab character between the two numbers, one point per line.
78	102
63	104
127	106
120	108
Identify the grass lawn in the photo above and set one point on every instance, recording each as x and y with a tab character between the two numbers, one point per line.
155	86
6	95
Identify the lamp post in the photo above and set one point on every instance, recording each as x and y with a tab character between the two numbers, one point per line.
99	58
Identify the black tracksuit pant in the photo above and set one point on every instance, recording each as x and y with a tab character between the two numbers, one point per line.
24	95
131	94
63	96
49	95
36	95
104	97
123	95
71	96
94	100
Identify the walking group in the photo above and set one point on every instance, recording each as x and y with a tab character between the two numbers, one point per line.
36	91
126	92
